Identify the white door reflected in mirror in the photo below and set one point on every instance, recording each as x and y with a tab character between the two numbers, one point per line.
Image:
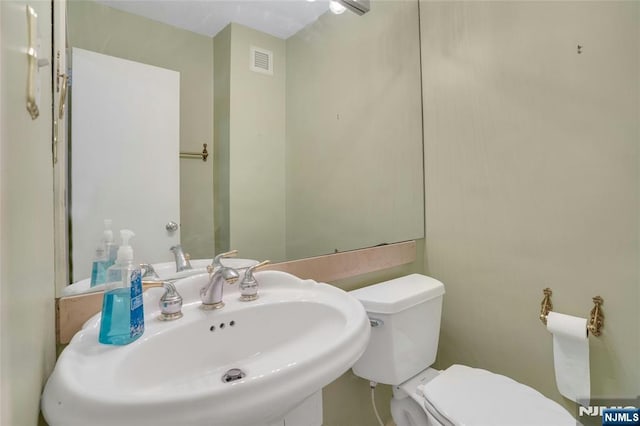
124	156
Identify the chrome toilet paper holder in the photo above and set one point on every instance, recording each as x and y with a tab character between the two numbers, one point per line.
596	318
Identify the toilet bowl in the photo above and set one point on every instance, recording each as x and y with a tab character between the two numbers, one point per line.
405	319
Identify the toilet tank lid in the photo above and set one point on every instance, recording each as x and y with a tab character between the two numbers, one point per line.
390	297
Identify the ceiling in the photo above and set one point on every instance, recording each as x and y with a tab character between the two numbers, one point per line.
280	18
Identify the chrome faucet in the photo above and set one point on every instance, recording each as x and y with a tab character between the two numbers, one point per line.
211	293
182	259
249	285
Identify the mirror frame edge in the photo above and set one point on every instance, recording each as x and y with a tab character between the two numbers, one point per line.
59	144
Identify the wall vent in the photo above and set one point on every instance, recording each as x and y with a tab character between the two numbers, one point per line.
261	60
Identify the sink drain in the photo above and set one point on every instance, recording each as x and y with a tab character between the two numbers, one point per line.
233	375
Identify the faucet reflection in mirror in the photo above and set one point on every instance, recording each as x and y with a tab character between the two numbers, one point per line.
182	259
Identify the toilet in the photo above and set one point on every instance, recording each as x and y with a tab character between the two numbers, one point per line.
405	327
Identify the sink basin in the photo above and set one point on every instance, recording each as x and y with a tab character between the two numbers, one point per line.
297	337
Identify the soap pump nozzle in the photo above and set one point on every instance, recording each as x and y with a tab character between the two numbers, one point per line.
107	234
125	251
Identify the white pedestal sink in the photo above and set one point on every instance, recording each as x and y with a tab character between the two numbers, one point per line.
296	338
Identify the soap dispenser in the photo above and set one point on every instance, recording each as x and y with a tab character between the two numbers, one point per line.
105	256
122	319
110	249
99	266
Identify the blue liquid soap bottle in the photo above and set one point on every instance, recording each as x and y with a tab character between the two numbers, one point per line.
105	256
110	249
99	266
122	319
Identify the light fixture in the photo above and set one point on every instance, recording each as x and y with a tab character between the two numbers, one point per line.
359	7
336	7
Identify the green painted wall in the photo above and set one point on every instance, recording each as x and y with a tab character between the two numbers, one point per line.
27	290
222	147
354	137
531	159
257	148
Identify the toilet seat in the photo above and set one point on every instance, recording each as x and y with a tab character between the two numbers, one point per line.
462	395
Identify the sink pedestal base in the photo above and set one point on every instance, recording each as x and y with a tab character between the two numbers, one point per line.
308	413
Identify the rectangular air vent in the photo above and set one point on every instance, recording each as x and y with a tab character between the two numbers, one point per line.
261	60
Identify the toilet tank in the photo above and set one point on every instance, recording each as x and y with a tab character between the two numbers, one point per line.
405	315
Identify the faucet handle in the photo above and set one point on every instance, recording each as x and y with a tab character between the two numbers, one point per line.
148	272
170	303
249	285
217	261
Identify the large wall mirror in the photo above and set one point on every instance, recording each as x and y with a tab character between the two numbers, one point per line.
318	152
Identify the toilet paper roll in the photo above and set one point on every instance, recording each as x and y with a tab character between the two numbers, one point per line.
571	356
